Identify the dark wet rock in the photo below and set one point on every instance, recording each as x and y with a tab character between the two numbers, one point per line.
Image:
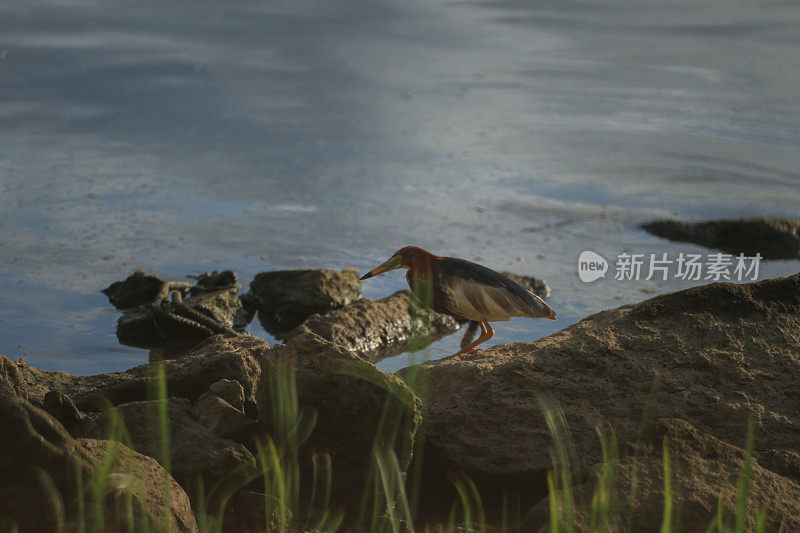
346	403
535	285
171	327
197	455
188	377
772	238
712	355
705	472
373	330
38	456
214	281
138	289
285	298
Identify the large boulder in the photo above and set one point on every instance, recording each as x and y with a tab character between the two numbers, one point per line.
374	330
347	406
196	455
138	487
44	472
712	355
285	298
773	238
705	474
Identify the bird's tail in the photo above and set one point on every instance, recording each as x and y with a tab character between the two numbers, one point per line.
541	309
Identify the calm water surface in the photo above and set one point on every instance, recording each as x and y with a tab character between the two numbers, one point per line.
192	136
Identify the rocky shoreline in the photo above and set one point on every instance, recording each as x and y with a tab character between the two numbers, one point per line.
686	370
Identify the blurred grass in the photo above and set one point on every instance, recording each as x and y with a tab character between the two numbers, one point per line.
390	500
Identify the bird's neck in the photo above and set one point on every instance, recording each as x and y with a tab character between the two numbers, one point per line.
420	278
422	266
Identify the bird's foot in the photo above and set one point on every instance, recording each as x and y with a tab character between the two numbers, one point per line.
21	362
474	350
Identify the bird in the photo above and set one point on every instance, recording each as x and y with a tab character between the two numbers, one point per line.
464	290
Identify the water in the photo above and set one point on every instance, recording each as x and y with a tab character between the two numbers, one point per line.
192	136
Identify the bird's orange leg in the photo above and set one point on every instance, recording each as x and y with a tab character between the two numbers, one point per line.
486	333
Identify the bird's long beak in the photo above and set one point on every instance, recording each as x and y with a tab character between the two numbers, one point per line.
391	264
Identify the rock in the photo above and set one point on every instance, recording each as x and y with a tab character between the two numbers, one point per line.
711	355
229	390
172	327
188	377
214	281
13	378
138	289
771	237
373	330
535	285
196	454
222	408
351	403
285	298
217	294
134	475
42	466
704	470
64	410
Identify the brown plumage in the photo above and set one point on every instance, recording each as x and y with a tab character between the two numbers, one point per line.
464	290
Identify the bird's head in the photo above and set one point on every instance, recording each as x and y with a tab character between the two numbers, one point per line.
408	257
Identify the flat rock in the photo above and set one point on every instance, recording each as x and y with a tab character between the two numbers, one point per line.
773	238
285	298
711	355
375	329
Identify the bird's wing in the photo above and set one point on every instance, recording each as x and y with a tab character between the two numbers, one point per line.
479	293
